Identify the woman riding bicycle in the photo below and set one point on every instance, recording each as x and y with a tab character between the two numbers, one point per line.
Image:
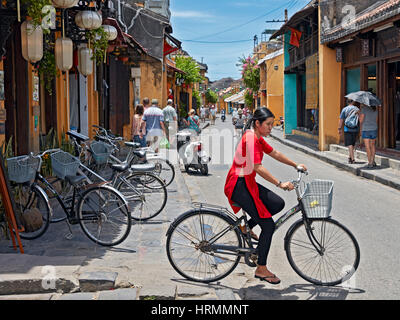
244	192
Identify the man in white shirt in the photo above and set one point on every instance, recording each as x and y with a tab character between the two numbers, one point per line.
170	118
153	120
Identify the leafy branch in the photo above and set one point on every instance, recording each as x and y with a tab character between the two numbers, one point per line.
98	39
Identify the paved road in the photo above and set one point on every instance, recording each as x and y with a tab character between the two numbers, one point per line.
369	209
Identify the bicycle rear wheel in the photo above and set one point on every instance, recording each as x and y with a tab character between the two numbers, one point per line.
339	254
32	210
191	253
103	215
145	193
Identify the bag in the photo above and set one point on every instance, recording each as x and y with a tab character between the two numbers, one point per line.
351	120
164	143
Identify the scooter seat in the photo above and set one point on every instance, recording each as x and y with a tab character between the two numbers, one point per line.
145	167
140	154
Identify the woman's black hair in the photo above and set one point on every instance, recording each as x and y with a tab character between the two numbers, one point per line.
261	114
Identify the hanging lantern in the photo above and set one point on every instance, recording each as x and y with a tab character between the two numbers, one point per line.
88	20
64	3
31	42
111	31
85	62
64	53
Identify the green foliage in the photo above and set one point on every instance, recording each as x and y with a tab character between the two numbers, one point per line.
34	11
48	70
211	96
248	99
191	69
196	95
99	43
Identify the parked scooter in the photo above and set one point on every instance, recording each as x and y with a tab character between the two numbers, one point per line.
223	115
191	152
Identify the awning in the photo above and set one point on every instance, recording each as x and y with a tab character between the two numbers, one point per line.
298	17
270	56
235	97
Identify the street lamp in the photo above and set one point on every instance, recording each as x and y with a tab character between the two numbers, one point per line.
85	62
64	53
111	31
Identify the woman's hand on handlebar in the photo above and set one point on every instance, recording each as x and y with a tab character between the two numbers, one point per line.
301	167
287	186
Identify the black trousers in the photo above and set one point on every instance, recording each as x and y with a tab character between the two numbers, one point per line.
272	202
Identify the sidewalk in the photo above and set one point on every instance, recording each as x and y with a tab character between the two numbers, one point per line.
387	172
55	268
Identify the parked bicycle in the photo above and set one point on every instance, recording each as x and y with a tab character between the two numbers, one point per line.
101	210
145	192
163	167
206	244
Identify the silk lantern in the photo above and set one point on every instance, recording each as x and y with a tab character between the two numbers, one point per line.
31	41
64	3
85	62
88	20
64	52
111	31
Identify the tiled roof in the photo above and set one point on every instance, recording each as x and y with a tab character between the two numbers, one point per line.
372	16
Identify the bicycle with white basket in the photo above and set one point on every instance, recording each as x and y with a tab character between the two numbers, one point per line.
205	244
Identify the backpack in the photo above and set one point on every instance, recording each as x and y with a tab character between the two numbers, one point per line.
351	120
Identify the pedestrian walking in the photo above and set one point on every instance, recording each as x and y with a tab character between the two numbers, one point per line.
351	130
193	122
244	192
239	123
369	131
170	118
146	103
153	122
213	114
137	125
202	114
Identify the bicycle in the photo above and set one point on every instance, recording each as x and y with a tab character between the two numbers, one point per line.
145	192
163	167
101	210
205	244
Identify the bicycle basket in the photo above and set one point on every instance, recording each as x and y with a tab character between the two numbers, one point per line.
100	151
317	199
64	164
22	169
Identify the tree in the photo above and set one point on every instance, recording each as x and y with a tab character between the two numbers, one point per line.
251	78
191	69
211	96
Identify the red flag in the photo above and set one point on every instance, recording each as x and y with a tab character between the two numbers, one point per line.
295	37
168	48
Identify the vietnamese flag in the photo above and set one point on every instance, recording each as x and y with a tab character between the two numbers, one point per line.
295	37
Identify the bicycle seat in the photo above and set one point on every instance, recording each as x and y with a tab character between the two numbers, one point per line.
134	145
145	167
140	154
120	167
74	180
78	136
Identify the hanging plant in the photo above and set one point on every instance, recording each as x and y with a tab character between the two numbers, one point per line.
98	41
48	70
36	13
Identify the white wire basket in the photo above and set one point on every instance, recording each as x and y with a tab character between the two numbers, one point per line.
101	151
317	199
64	164
22	169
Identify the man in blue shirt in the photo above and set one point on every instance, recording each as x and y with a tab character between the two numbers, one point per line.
153	124
350	134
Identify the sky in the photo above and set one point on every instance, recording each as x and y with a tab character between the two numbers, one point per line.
220	31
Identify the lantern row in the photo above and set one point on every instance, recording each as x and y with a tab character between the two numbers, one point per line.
32	40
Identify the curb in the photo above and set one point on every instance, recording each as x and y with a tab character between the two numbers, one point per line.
356	171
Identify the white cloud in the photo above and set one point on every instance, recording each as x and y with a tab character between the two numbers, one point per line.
191	14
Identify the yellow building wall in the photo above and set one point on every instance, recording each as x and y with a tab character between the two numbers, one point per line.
329	97
151	81
62	98
275	86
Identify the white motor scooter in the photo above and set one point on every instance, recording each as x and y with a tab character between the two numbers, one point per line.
191	152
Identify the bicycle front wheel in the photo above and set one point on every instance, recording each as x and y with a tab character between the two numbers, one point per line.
202	246
32	210
145	193
326	254
164	170
104	216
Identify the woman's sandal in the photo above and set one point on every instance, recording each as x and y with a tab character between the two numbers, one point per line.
268	277
252	234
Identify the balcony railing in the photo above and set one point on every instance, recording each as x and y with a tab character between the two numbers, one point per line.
308	46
